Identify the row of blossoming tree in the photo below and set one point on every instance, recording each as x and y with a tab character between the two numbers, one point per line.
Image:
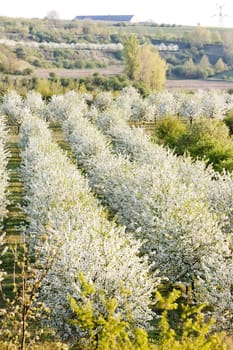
132	107
161	198
59	204
116	189
177	214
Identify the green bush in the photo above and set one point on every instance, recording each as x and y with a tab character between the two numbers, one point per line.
228	120
206	139
169	130
105	328
194	332
43	346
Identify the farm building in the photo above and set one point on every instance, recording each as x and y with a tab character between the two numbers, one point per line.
110	18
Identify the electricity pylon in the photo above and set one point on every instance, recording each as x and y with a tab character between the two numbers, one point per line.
220	15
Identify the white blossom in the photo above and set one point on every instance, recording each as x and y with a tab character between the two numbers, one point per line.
61	106
80	46
35	104
164	104
182	233
213	104
128	103
103	101
59	201
3	184
190	107
12	107
179	211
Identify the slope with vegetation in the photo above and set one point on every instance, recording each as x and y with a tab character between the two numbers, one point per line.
202	51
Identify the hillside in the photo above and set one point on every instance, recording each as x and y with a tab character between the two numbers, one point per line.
43	43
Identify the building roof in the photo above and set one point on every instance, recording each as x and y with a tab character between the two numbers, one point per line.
114	18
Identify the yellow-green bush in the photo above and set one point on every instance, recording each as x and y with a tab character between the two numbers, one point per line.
206	139
104	329
193	332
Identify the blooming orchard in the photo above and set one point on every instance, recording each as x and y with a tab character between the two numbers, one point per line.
59	202
184	235
177	213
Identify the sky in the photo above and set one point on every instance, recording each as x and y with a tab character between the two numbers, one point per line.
203	12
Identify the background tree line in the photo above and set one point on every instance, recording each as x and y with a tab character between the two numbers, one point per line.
196	43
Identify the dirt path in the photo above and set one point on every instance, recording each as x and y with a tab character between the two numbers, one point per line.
14	224
198	84
78	73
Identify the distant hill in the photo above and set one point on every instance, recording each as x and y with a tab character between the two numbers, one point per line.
61	36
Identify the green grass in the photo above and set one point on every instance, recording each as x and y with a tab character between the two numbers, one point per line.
174	32
226	76
14	223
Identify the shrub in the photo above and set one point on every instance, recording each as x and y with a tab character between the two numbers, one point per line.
193	331
43	345
206	139
169	131
228	120
104	329
209	139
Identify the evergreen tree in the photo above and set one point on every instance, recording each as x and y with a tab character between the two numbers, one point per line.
219	66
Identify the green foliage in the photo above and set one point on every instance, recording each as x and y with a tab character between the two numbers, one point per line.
41	346
206	139
144	64
104	329
228	120
205	67
131	56
190	39
20	53
19	324
199	36
169	130
9	62
220	66
49	87
192	70
194	332
152	68
209	138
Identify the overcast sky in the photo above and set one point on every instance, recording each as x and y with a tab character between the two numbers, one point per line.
164	11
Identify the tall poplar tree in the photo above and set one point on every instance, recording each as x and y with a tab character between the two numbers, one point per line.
131	51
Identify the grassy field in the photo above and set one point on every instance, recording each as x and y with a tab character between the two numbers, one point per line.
198	84
78	73
154	30
14	223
